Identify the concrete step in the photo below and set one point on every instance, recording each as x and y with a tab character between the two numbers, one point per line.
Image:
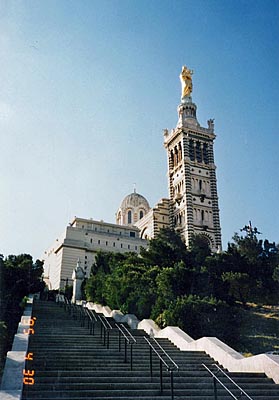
139	393
69	363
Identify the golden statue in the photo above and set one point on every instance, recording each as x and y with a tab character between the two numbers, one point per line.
186	81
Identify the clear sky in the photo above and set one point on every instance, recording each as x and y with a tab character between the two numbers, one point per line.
86	88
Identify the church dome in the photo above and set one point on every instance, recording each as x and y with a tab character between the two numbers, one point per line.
133	207
134	200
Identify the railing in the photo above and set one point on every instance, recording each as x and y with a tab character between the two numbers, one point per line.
91	320
77	313
217	380
66	303
169	364
164	359
128	339
105	329
82	313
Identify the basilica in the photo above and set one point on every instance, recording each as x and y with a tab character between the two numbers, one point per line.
191	209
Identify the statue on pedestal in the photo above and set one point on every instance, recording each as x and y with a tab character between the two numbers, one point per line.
186	81
78	277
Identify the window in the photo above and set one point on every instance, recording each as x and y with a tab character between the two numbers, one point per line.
132	234
129	217
191	150
113	244
198	152
179	152
106	243
99	241
205	153
141	214
121	245
136	247
91	240
128	246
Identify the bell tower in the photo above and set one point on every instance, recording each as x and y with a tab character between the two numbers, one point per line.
192	181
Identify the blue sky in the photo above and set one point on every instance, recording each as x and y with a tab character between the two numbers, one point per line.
88	86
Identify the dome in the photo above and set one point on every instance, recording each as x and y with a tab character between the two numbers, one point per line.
134	200
133	207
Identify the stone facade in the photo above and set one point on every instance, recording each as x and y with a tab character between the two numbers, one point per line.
82	239
156	219
191	177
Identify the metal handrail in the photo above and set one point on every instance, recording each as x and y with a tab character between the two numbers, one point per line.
242	392
68	305
130	336
107	327
77	312
104	321
129	339
91	320
170	369
122	333
165	353
91	314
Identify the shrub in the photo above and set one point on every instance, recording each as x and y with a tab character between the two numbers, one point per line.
205	316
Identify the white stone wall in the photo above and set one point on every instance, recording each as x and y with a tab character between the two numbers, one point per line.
82	240
156	219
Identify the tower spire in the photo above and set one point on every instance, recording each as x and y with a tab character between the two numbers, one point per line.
191	172
186	109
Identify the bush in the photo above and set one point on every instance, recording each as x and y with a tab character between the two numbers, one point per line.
3	344
200	317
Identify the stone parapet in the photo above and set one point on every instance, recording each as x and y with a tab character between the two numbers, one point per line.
149	326
215	348
12	380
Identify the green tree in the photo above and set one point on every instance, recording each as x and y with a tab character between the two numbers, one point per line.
199	250
239	285
259	260
19	276
165	249
200	317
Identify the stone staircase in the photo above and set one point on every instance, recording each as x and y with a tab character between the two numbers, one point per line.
68	362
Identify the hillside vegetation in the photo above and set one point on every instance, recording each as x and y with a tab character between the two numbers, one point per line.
19	276
204	294
259	329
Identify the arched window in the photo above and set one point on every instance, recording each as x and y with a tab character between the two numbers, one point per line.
119	218
205	153
198	152
191	150
179	152
129	217
175	156
141	214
